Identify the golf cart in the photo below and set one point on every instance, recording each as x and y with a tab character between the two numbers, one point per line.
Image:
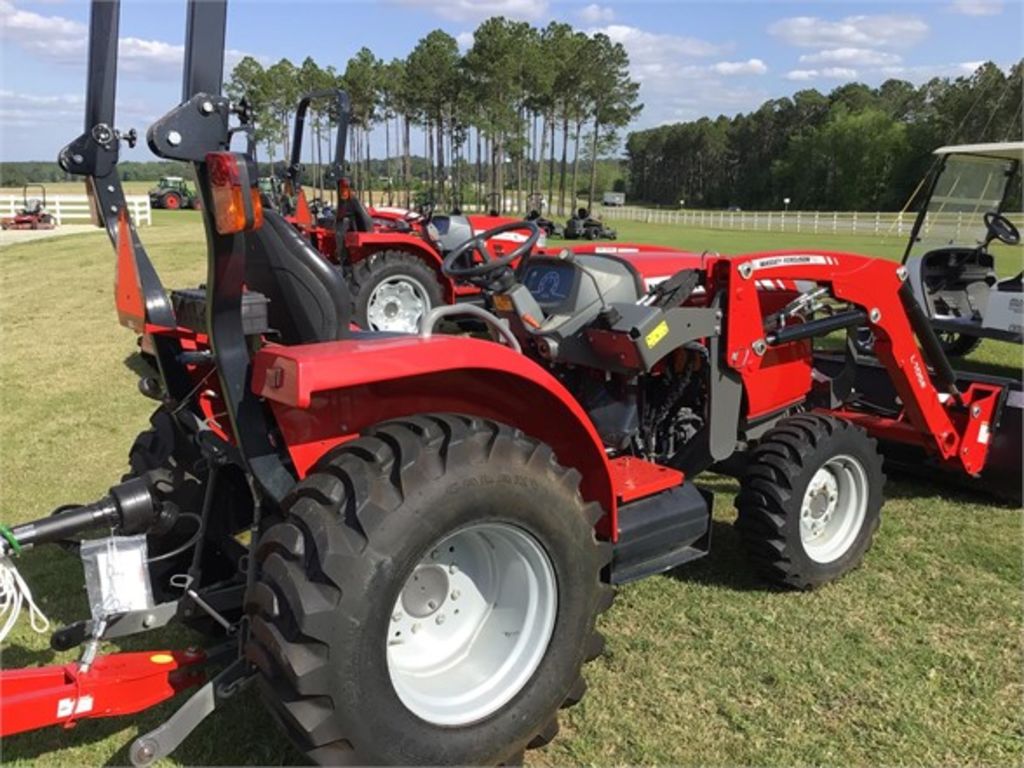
948	260
33	214
583	225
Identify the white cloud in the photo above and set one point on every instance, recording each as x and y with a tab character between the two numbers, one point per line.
677	80
32	110
977	7
854	57
881	31
748	67
64	41
477	10
465	40
923	72
828	73
647	45
597	14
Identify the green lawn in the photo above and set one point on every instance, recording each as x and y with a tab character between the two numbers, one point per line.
916	658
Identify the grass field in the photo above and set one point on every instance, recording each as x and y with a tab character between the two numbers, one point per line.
915	659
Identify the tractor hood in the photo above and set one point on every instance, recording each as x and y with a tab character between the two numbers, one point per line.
654	262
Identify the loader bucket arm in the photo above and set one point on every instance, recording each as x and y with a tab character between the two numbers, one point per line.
936	414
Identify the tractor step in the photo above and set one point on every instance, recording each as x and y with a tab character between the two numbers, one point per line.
660	532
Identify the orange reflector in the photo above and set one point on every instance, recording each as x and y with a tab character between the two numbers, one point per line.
230	195
344	188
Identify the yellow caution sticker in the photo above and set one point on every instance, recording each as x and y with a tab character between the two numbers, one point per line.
502	303
162	658
660	332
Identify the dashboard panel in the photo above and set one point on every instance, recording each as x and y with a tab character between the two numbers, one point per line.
550	283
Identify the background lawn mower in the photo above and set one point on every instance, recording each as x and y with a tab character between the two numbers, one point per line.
33	213
405	539
547	226
585	226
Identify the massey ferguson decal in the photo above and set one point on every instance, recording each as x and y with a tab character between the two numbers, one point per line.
773	262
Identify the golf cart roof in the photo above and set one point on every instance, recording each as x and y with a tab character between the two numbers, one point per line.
1011	150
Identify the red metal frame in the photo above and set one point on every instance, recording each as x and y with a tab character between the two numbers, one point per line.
774	379
116	684
323	394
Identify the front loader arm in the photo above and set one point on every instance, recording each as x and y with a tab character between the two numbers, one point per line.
936	414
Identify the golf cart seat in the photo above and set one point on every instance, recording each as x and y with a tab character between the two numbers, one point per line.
309	298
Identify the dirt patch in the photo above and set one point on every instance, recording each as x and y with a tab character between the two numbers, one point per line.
15	236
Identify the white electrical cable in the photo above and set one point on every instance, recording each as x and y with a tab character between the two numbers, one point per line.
14	592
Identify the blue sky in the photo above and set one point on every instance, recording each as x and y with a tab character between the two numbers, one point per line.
692	58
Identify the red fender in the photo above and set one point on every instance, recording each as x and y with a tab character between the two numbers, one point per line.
324	394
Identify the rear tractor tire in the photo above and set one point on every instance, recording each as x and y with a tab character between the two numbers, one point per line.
429	598
393	290
810	500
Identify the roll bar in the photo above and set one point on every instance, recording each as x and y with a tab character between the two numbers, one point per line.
343	110
199	125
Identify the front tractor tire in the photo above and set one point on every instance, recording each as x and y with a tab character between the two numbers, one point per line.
393	290
429	597
810	500
958	344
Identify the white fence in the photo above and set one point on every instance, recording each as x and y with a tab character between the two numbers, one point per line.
75	208
837	222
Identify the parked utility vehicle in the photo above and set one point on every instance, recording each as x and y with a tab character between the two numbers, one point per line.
948	260
408	537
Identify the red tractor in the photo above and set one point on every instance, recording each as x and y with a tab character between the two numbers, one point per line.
407	538
33	214
391	257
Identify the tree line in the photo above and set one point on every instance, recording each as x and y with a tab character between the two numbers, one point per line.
524	110
856	148
17	174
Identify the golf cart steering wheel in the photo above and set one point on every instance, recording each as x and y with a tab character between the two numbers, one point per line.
1001	228
453	263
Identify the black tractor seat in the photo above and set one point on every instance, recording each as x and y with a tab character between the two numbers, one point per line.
293	293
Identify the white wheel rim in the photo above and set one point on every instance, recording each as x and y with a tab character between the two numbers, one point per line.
833	509
397	304
471	624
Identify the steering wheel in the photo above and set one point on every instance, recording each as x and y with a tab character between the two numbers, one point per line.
452	266
1001	228
424	214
